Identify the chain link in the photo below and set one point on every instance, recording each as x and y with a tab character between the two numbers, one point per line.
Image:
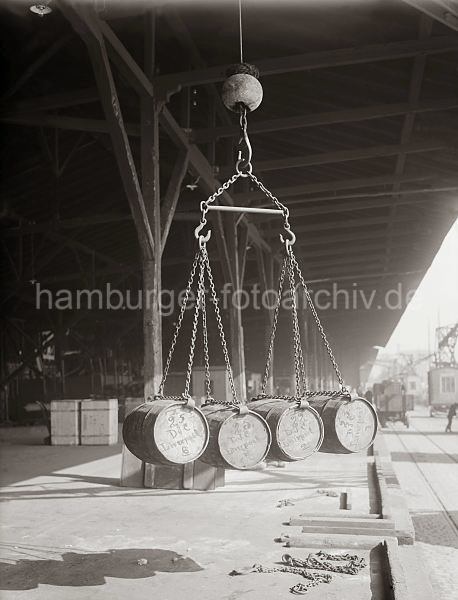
318	323
307	394
299	371
208	386
319	561
214	299
274	326
200	293
178	325
204	208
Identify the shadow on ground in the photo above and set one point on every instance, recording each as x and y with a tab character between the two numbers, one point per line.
437	528
77	569
424	457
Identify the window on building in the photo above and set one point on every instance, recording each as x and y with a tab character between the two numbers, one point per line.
447	384
413	385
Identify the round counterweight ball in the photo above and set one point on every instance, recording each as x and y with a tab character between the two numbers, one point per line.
242	89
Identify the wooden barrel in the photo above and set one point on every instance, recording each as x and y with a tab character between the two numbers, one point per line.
296	428
239	438
349	425
166	432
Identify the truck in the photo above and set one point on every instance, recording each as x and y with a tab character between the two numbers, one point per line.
391	401
442	388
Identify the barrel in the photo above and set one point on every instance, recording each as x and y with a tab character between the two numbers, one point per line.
296	428
239	438
166	432
350	425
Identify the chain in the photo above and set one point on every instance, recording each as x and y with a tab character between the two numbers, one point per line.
284	209
244	141
208	387
219	321
299	370
320	561
318	323
204	208
200	299
307	394
274	327
178	325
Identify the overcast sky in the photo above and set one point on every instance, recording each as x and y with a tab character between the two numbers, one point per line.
435	302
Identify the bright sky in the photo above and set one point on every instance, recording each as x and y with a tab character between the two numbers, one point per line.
435	301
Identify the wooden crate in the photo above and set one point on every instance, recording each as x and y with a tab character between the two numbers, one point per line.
99	422
65	422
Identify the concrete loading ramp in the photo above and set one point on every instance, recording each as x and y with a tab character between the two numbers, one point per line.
190	540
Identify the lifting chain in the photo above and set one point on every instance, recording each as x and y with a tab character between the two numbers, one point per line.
319	561
343	389
201	260
274	327
208	385
244	168
244	144
214	299
199	302
178	326
308	394
299	369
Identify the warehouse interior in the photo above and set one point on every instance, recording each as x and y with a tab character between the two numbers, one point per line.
115	131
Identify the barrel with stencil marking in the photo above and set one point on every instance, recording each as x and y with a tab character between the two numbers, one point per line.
165	431
350	424
239	438
296	428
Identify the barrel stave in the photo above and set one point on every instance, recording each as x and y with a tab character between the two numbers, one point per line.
296	431
237	440
166	432
349	425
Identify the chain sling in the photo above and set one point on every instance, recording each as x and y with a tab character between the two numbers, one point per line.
288	241
243	169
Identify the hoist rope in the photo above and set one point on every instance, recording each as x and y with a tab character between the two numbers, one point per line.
240	31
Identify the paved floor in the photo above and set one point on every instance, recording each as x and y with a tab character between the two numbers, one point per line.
72	534
425	459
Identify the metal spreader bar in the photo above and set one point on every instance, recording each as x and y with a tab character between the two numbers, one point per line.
246	209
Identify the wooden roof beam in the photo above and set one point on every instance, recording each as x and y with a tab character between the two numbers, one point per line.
443	11
314	60
87	27
412	234
328	186
342	156
41	60
331	208
347	115
415	85
183	37
341	225
271	125
202	167
134	74
384	194
328	208
53	101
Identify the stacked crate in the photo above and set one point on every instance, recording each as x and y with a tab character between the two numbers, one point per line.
84	422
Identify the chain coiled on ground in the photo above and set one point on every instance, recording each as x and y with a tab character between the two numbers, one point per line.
318	561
